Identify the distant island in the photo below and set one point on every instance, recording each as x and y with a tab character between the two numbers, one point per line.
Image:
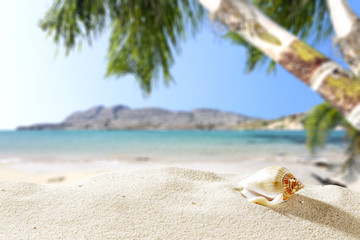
123	117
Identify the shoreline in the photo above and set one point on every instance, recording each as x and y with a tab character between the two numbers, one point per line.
59	172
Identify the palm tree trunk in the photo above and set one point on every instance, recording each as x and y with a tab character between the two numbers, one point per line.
347	30
336	85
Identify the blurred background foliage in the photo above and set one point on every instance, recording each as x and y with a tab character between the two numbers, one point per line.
145	34
158	26
320	122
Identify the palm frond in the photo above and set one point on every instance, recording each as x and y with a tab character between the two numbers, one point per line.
144	33
254	57
319	123
351	167
301	17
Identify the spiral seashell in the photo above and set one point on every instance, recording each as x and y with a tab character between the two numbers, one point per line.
270	186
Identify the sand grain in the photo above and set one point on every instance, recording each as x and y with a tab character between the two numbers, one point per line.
171	203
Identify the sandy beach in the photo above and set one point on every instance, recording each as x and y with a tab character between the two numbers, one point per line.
171	203
147	197
60	172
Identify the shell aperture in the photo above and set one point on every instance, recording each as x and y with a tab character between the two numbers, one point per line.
270	186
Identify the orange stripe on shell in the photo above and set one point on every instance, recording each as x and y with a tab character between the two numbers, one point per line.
288	193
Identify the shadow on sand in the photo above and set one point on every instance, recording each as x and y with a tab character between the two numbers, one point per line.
320	212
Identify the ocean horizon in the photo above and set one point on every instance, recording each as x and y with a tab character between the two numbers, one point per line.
146	145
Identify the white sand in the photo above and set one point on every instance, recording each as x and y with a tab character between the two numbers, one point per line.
58	172
171	203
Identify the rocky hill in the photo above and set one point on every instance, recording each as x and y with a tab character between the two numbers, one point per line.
123	117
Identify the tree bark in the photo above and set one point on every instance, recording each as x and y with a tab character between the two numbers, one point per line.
336	85
347	31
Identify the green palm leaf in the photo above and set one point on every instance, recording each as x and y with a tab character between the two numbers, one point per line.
144	33
351	167
319	123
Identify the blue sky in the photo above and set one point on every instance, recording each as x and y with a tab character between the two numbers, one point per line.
209	72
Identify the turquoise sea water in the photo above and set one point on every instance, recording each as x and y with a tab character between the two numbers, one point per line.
153	144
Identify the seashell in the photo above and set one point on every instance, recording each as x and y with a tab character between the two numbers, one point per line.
270	186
